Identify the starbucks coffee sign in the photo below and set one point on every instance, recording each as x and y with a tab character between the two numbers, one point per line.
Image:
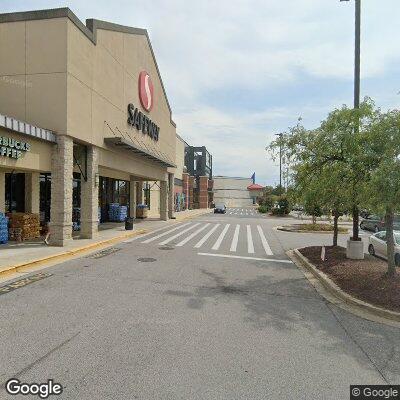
13	148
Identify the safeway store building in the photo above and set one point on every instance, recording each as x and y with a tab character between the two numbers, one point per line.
84	121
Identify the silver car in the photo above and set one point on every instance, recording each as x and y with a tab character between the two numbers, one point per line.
378	246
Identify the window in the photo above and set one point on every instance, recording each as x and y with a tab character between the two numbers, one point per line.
381	236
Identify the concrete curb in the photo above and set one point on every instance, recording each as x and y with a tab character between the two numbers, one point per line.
178	218
350	303
69	253
285	229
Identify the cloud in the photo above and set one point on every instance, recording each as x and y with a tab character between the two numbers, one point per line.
238	71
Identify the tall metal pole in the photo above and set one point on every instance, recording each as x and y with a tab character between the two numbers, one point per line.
357	58
357	78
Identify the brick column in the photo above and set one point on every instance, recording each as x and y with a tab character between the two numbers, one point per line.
2	191
171	196
203	192
163	200
132	198
32	192
61	192
211	191
191	184
185	188
90	197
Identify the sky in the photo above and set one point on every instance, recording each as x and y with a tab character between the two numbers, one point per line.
237	72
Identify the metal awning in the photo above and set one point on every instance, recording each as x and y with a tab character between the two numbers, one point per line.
123	143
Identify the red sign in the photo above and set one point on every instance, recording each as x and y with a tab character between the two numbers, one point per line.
146	91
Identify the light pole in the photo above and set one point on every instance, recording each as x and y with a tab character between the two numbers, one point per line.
357	79
280	161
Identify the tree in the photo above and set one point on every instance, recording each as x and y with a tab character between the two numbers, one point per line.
334	151
382	192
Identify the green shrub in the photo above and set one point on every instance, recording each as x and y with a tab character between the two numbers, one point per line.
262	209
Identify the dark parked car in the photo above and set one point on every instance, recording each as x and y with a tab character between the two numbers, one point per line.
375	223
364	213
220	209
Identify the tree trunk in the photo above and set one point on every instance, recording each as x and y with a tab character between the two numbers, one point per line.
335	228
314	219
389	217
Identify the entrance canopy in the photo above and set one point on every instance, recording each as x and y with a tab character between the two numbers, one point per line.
142	150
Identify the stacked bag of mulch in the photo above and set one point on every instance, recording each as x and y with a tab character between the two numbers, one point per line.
3	229
24	226
117	213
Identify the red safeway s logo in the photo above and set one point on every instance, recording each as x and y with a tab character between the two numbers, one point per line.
146	91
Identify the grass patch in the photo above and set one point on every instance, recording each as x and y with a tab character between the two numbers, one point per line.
319	228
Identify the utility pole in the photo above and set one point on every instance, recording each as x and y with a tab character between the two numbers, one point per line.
357	79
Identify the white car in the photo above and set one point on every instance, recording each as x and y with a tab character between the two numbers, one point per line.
378	246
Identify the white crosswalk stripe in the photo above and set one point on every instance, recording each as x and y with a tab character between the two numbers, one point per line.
204	239
250	244
243	239
162	234
217	244
190	237
264	242
178	234
235	239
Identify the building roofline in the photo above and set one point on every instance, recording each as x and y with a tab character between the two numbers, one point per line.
230	177
89	30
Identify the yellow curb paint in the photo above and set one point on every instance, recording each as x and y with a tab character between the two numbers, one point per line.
67	254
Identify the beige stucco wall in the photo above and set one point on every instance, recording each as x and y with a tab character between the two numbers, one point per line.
37	159
154	211
103	80
55	77
33	72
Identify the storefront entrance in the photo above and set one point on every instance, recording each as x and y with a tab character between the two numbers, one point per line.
45	197
15	192
112	191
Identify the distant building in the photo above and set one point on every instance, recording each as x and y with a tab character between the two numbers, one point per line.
255	191
235	191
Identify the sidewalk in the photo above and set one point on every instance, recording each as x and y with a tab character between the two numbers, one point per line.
17	257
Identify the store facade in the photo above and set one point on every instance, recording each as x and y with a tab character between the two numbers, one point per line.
88	122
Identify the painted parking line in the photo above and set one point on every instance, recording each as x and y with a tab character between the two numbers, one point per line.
264	242
250	244
245	258
235	239
204	239
221	237
184	241
178	234
164	233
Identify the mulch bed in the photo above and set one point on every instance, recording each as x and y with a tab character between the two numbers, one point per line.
363	279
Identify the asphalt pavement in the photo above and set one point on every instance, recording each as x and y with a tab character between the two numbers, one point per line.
210	308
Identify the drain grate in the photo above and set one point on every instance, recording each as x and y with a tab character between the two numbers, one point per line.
104	253
166	248
23	282
146	259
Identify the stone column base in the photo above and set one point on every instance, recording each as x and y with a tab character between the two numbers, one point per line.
89	229
60	234
355	250
163	201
